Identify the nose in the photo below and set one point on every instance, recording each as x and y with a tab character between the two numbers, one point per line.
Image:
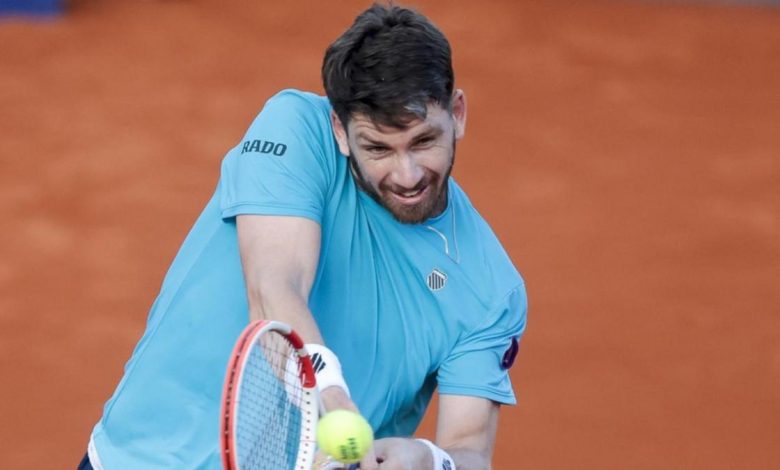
407	172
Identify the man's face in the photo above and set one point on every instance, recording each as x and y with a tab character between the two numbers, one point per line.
405	170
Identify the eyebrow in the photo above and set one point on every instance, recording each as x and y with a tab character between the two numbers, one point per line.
433	131
364	139
430	131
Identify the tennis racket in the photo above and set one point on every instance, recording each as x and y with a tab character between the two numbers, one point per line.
269	403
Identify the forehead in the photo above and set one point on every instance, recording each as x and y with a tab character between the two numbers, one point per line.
362	126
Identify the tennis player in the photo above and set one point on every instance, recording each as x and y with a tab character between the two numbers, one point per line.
338	215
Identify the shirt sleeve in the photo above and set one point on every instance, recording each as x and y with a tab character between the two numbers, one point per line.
480	362
284	164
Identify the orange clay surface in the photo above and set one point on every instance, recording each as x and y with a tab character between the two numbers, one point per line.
627	153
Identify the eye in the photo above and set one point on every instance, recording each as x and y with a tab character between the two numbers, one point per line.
376	149
425	142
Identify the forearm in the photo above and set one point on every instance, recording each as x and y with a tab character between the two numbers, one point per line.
290	308
285	305
467	430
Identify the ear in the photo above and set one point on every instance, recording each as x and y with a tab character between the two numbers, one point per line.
459	112
340	133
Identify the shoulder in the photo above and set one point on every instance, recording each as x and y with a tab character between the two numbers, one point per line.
293	113
288	146
303	98
291	122
297	102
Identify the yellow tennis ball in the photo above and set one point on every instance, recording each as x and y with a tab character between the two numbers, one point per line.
344	435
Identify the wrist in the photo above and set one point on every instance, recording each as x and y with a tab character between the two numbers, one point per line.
327	368
441	459
328	377
334	398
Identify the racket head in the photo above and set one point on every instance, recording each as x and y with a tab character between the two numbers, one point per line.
269	408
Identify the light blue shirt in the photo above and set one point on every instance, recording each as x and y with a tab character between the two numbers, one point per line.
406	308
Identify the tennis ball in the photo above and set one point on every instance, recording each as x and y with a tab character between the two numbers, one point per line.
344	435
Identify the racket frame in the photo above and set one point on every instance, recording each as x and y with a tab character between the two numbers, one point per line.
231	392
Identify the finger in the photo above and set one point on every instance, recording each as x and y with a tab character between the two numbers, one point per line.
369	461
323	462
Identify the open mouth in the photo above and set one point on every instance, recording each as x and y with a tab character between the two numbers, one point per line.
410	198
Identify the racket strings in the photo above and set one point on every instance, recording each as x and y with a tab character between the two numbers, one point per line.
270	399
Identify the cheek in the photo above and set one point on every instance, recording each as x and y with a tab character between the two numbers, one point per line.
439	161
444	165
372	172
379	176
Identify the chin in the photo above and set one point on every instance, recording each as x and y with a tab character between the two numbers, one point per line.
418	213
409	217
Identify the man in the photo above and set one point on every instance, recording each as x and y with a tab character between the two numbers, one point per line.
339	217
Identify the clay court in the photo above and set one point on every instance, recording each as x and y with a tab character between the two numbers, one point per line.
626	152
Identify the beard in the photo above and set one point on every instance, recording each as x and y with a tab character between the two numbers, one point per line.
432	205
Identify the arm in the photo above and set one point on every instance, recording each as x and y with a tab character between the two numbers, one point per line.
466	430
279	255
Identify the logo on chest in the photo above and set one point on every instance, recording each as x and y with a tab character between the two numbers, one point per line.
436	280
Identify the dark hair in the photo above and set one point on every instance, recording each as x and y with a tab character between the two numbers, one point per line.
389	65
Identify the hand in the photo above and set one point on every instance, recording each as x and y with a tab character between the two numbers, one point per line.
397	453
334	398
323	462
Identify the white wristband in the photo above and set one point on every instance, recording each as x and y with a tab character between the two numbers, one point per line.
441	459
327	368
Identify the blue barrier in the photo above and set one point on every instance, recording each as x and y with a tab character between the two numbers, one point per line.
31	7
